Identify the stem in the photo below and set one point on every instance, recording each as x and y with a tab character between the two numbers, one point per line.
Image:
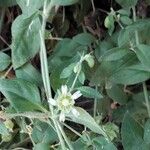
65	137
43	55
3	9
95	105
75	80
59	136
71	129
136	32
93	6
7	72
44	67
144	84
146	98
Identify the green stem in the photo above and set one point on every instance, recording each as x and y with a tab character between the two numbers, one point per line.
59	136
144	84
136	32
65	137
95	105
146	98
75	80
44	67
71	129
3	9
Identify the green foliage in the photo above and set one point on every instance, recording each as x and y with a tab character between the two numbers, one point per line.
89	92
4	61
127	3
132	134
22	95
64	2
25	34
7	3
84	84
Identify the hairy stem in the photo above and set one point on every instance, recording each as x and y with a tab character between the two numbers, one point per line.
144	84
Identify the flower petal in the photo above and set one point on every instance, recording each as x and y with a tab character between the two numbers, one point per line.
76	95
62	117
52	101
64	89
75	112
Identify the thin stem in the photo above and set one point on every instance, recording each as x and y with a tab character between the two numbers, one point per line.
5	49
144	84
75	80
146	98
7	72
3	9
136	32
95	105
65	137
31	115
93	6
59	136
4	41
71	129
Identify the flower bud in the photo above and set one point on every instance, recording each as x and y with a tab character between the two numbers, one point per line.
9	124
6	137
89	59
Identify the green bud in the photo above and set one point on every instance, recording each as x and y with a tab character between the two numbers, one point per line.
107	22
9	124
90	60
6	137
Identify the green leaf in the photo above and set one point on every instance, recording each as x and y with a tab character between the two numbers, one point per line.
147	132
117	94
114	54
102	144
121	72
29	73
81	77
132	134
84	39
22	95
7	3
130	75
85	119
67	71
29	7
126	35
125	20
64	2
41	146
143	53
4	61
89	92
43	133
127	3
25	43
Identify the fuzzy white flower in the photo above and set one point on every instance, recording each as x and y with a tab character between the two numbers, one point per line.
65	102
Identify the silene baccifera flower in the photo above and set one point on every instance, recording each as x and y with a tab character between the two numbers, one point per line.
65	101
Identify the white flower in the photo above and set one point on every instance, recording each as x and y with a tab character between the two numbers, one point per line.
76	95
62	117
65	102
